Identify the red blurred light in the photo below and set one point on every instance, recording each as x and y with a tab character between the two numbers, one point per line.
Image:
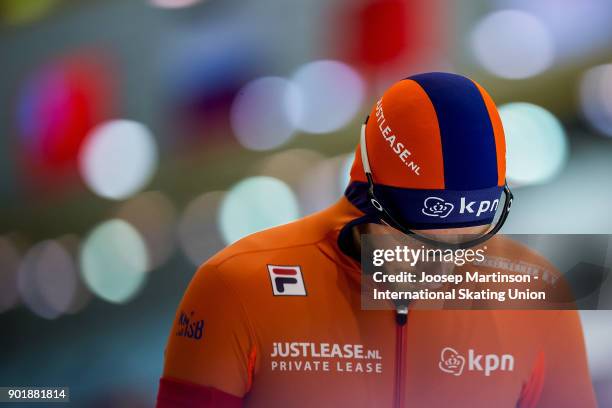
391	35
58	106
381	31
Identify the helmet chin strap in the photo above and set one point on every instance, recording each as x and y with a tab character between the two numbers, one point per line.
366	168
388	219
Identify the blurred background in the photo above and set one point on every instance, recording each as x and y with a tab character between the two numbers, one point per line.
138	137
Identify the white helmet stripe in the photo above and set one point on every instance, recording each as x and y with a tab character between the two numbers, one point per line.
364	150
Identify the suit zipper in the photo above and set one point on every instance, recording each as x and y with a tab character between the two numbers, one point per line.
401	317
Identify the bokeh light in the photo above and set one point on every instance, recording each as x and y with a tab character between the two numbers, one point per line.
47	279
289	165
198	230
201	77
330	94
597	334
118	158
172	4
260	115
82	296
512	44
579	200
323	185
596	97
379	34
9	265
579	28
154	217
59	103
22	12
254	204
114	261
536	143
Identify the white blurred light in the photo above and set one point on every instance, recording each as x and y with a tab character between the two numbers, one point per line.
513	44
174	3
330	94
323	185
596	97
198	232
579	201
118	158
48	279
536	143
579	28
260	115
154	217
9	265
597	333
114	261
254	204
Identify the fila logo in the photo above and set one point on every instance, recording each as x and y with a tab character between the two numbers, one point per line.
452	362
286	280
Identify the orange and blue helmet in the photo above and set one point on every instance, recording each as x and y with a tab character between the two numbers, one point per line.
432	155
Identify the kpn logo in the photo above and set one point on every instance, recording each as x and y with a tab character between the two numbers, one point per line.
452	362
437	207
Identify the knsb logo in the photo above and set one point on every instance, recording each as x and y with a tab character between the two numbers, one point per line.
453	363
189	327
286	280
437	207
